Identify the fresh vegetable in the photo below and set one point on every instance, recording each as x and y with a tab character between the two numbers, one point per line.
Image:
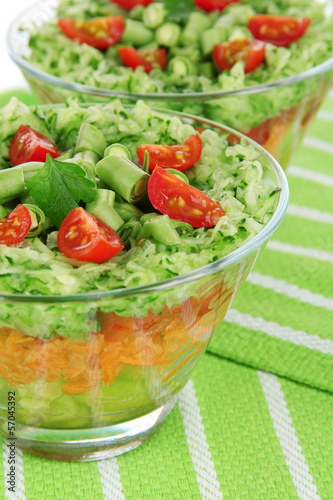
124	177
278	30
177	156
210	5
15	226
173	197
147	58
29	145
58	187
100	32
83	236
250	52
130	4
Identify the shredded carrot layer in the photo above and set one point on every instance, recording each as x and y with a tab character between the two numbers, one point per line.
156	340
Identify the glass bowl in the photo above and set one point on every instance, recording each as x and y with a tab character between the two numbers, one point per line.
278	127
80	401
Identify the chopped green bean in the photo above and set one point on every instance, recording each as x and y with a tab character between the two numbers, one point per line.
161	229
168	34
136	33
196	24
128	231
118	149
108	215
137	12
124	177
211	37
102	195
182	66
38	220
127	211
154	15
90	138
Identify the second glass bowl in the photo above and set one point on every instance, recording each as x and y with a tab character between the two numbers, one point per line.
284	109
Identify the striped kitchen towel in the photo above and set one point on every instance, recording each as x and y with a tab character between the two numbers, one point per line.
255	426
282	319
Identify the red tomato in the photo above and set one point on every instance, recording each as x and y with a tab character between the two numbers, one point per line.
130	4
173	197
251	52
148	58
15	226
83	236
99	32
278	30
209	5
177	156
29	145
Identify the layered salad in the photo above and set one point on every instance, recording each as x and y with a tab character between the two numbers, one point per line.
102	198
144	46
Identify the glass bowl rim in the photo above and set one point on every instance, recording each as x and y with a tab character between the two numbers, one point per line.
201	272
185	96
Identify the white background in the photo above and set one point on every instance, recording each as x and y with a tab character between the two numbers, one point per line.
10	75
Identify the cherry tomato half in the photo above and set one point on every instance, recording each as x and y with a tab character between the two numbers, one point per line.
99	32
84	237
278	30
173	197
209	5
148	58
130	4
178	156
251	52
15	226
29	145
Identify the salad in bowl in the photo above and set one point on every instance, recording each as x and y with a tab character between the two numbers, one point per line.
258	66
125	235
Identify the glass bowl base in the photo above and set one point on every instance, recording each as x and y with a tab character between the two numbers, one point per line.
85	445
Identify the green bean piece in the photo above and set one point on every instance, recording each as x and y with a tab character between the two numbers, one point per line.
102	207
11	183
182	227
178	174
154	15
136	33
148	217
118	149
124	177
127	211
137	12
108	215
161	229
37	219
128	231
211	37
182	66
90	138
168	34
196	24
102	195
